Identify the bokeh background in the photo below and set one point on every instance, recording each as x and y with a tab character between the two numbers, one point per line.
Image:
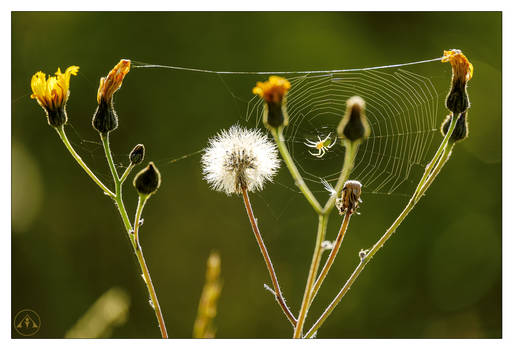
438	277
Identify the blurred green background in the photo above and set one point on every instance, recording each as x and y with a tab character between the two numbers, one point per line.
438	277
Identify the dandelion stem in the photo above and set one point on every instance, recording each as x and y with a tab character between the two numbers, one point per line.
133	235
267	258
64	138
332	256
298	179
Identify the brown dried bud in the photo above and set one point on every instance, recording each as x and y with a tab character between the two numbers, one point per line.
350	198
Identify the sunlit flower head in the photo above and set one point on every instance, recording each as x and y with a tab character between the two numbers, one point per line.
272	90
457	100
113	81
461	67
238	159
52	93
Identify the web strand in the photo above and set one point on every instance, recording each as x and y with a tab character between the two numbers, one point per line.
138	64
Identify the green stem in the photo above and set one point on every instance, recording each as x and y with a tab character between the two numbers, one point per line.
126	173
298	179
440	160
64	138
274	278
350	155
332	256
438	153
142	262
314	267
133	235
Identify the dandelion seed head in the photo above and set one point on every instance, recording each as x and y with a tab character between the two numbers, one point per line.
239	158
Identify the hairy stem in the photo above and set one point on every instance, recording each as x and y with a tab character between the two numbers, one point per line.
267	259
440	159
78	159
298	179
332	256
350	155
133	234
314	267
441	148
142	262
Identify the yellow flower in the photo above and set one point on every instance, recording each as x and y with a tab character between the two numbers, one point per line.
272	90
52	93
461	67
113	81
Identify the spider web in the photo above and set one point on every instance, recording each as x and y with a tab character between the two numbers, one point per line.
401	107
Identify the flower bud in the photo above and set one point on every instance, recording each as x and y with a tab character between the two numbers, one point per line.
274	92
462	70
147	181
105	118
460	130
354	125
137	154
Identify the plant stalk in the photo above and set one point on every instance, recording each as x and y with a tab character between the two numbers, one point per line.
277	291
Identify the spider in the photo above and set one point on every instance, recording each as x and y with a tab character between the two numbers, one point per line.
322	146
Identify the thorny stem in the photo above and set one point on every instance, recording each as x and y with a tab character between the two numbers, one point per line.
350	155
265	254
332	256
439	159
133	235
298	179
64	138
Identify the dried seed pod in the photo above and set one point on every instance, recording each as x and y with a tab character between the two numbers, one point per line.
350	199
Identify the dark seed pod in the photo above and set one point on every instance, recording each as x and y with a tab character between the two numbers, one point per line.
147	181
105	118
137	154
